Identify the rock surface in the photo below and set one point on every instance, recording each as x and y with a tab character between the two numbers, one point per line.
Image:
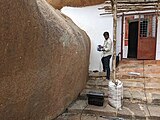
43	60
81	3
74	3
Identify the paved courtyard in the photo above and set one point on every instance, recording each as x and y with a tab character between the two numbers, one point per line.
141	82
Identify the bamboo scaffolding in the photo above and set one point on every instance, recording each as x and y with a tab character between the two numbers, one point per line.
131	10
119	5
129	7
114	10
124	6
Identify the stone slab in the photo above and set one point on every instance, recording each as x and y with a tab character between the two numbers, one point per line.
100	82
138	95
133	96
97	74
153	98
79	116
152	85
129	110
154	111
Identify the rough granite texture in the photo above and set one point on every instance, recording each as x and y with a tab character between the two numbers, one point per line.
74	3
80	3
44	60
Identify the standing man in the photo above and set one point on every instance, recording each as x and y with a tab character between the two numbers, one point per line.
107	53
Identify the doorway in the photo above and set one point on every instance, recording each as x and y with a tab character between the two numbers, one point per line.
133	39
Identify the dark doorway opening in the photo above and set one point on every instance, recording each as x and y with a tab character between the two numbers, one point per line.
133	39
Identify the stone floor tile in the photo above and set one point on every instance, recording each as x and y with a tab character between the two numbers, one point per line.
127	94
100	82
133	84
138	95
152	85
154	110
135	110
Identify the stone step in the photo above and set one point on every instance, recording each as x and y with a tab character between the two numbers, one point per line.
132	88
153	85
104	83
126	89
147	84
95	76
98	82
125	75
153	98
149	69
153	67
139	90
148	73
139	63
133	96
129	110
83	116
103	74
143	80
129	79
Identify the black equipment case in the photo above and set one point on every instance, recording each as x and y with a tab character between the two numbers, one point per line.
95	98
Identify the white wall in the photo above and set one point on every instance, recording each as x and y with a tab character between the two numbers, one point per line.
158	41
89	19
125	48
119	27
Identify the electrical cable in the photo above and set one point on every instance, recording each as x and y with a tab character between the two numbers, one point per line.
82	111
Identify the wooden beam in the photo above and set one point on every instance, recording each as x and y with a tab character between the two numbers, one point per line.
133	5
131	10
108	13
119	5
129	7
130	14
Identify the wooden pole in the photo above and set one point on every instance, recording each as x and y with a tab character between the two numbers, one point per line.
114	10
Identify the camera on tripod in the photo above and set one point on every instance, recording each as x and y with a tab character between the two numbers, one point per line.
99	48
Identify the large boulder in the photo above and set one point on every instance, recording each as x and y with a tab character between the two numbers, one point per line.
44	59
74	3
80	3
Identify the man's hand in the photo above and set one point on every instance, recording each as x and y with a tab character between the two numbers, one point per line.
100	48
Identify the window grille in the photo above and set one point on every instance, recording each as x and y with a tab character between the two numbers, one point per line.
144	28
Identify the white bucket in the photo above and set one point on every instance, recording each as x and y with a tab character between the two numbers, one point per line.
115	94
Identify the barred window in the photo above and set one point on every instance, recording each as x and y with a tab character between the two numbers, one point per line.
144	28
